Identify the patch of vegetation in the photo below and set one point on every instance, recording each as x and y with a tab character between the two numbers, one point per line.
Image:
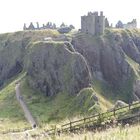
124	92
105	91
11	115
48	43
62	106
86	102
59	108
135	66
118	133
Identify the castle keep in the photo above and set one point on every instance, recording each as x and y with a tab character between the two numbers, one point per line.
93	23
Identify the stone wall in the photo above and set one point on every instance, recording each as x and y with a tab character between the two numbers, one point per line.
93	24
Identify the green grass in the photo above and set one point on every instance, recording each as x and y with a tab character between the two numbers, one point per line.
111	94
60	108
135	66
34	35
118	133
47	110
11	115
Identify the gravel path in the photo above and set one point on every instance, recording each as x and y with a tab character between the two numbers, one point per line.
27	113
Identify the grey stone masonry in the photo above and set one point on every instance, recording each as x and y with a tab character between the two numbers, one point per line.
93	23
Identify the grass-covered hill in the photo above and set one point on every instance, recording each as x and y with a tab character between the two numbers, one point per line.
61	81
13	48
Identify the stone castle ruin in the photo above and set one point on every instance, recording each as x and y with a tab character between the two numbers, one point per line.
129	25
62	29
49	25
93	23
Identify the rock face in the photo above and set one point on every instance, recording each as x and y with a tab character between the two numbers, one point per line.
54	68
105	57
86	98
119	104
13	50
113	58
11	60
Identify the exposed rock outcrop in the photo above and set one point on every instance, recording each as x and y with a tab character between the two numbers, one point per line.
113	57
55	68
11	59
105	57
119	104
13	47
86	99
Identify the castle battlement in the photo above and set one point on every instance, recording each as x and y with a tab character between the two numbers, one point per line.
93	23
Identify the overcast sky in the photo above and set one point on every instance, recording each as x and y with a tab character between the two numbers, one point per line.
14	13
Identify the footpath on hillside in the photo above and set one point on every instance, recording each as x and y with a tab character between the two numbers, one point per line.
27	113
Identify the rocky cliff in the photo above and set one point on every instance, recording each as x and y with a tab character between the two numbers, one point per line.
54	68
58	66
13	48
113	58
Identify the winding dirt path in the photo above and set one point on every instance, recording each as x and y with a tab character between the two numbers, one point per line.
27	113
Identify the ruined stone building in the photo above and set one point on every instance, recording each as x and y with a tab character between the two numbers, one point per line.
49	25
106	23
93	23
62	29
129	25
119	24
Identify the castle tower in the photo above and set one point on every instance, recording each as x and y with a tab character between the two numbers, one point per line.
93	23
24	27
134	22
88	24
106	23
44	26
100	24
31	26
37	25
54	26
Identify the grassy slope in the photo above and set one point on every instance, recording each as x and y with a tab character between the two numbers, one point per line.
119	133
44	109
11	115
28	35
135	66
62	107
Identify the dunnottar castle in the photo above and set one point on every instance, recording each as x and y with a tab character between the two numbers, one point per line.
93	23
